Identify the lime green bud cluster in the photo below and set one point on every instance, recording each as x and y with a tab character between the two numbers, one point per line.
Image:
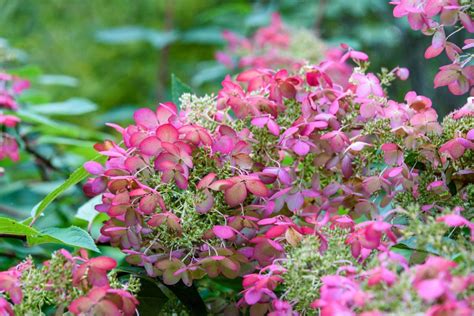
306	264
291	114
182	203
47	286
431	236
200	110
305	46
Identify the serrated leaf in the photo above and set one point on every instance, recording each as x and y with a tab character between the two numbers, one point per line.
178	88
78	175
71	236
10	226
52	127
73	106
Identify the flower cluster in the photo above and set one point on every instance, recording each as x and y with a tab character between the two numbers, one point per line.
282	171
430	288
322	274
272	46
176	195
10	88
78	284
432	17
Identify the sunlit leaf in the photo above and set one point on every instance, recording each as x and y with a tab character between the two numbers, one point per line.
132	34
73	106
178	88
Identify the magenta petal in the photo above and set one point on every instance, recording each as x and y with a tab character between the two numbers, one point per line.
273	127
445	77
393	172
223	145
106	307
94	168
224	232
295	201
430	289
260	121
432	51
301	148
252	296
453	220
146	118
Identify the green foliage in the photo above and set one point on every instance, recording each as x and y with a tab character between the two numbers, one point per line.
77	176
71	236
178	88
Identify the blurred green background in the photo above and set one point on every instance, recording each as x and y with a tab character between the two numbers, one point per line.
122	52
116	56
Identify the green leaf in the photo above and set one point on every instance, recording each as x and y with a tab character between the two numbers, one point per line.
78	175
132	34
178	88
71	236
60	80
10	226
209	73
73	106
26	72
151	298
52	127
206	35
87	211
46	139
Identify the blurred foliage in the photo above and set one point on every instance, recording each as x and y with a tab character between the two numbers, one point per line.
98	60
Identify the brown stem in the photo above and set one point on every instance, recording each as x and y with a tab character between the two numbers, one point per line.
5	210
319	17
43	163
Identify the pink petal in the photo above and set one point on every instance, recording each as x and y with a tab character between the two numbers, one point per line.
445	77
207	204
224	232
257	188
146	118
206	181
148	204
94	168
260	121
252	296
236	194
167	133
295	201
430	289
150	146
301	148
